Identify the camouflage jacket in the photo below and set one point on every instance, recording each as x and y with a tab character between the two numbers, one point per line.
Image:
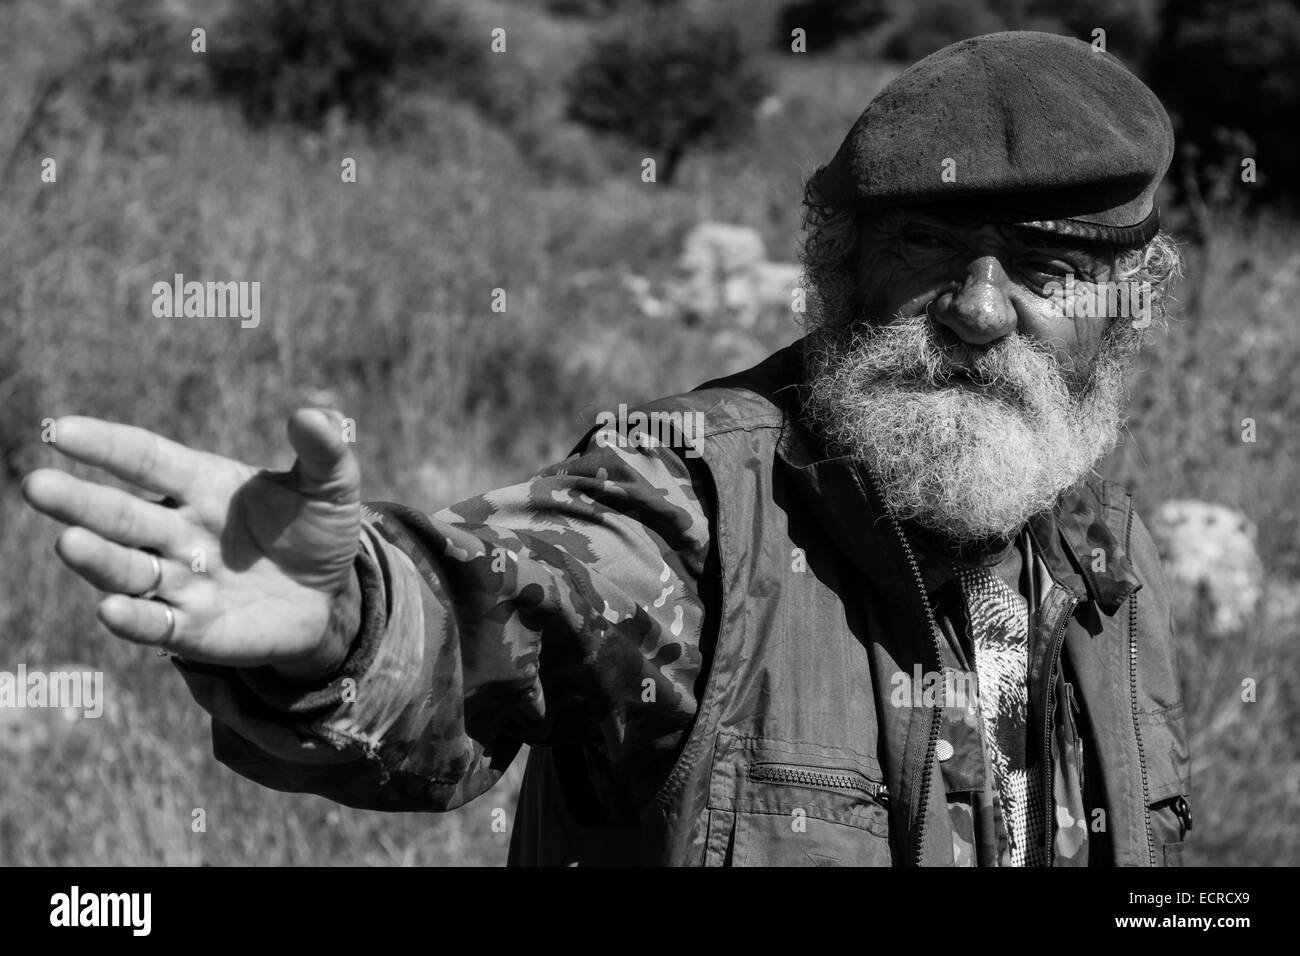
697	621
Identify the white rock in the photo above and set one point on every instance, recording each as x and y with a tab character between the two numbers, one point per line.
1209	550
726	274
775	281
648	304
770	106
719	249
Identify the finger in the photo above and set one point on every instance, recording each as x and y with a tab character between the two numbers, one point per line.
142	622
113	568
326	467
109	512
132	454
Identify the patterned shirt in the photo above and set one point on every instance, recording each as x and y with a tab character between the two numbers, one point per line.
996	802
998	630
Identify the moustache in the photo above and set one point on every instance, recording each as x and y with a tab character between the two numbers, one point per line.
915	353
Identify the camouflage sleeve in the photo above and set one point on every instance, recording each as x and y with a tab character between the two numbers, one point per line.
564	610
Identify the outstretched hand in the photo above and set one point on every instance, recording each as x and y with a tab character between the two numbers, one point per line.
256	566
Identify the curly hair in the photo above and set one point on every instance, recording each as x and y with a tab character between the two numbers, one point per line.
1157	266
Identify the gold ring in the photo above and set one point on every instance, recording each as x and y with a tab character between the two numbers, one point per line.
171	622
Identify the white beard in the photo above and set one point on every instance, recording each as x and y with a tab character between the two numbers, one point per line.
970	458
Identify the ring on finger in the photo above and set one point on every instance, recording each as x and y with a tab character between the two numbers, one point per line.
152	590
171	622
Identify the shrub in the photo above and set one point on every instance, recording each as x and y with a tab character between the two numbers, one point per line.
125	48
301	60
668	82
936	23
1229	72
1131	25
72	68
827	22
594	9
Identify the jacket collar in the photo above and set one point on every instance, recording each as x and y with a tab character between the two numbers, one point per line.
1082	542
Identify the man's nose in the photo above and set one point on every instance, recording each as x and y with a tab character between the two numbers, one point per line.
979	312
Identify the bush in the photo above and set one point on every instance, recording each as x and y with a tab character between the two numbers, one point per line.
1131	25
301	60
667	82
827	22
934	24
73	68
125	48
1229	72
594	9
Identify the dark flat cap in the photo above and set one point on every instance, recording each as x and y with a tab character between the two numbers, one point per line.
1031	128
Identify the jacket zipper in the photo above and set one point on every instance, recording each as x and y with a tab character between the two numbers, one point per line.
818	777
936	715
1058	638
1133	697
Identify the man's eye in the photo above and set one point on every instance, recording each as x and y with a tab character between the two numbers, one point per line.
1048	268
926	241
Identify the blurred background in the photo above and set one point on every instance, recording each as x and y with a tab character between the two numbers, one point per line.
519	168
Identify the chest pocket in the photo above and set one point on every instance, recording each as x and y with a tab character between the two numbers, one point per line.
789	803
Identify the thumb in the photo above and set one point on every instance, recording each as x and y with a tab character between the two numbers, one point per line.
326	467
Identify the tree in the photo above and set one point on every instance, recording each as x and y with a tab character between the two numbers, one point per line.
827	22
1229	73
668	82
298	60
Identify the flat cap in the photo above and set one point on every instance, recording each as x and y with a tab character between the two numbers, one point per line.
1022	127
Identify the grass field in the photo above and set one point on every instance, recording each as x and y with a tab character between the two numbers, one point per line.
379	292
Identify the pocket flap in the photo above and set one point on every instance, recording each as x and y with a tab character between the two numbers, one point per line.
1164	745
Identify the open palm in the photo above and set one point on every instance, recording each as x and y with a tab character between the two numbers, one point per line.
256	566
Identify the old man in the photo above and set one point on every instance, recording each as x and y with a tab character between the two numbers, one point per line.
875	609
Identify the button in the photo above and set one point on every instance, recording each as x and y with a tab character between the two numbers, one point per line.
944	750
